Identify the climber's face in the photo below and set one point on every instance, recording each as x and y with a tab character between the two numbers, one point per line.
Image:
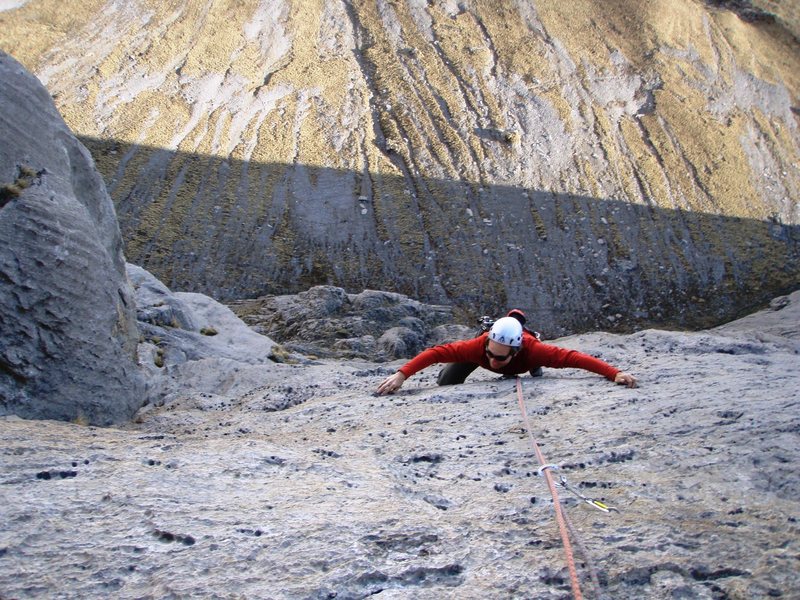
498	354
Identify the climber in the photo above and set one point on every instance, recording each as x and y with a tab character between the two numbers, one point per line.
508	349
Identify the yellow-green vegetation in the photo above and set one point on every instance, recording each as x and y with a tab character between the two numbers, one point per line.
10	191
158	358
32	31
761	50
430	108
539	224
522	51
279	354
81	419
645	158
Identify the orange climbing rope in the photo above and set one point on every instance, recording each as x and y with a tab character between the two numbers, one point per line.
562	526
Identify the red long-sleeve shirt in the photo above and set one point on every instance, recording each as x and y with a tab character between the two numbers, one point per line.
531	355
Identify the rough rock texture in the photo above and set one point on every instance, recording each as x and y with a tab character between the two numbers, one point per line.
784	11
67	317
327	321
192	344
605	164
306	486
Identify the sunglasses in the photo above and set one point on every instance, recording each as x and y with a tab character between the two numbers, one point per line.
498	357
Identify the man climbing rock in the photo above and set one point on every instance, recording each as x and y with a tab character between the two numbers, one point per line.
508	349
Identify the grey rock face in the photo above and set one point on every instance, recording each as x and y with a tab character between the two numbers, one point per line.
191	344
299	484
67	316
156	304
327	321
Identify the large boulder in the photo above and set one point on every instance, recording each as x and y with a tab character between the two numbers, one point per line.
192	345
68	332
328	322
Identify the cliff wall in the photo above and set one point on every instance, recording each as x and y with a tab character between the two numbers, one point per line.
608	164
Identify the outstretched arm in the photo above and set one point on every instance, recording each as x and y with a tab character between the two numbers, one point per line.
463	351
554	356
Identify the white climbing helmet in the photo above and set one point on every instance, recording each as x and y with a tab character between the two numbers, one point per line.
507	331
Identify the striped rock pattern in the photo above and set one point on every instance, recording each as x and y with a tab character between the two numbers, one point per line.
67	315
597	164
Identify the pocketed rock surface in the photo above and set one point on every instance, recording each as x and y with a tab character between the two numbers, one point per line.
309	486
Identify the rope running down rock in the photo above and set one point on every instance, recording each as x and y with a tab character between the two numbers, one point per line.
562	526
